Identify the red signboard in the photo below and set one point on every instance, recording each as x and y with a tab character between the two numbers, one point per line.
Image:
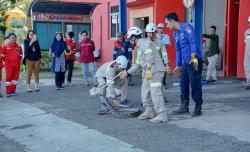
61	17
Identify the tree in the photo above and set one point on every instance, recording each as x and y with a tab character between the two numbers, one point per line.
8	5
5	6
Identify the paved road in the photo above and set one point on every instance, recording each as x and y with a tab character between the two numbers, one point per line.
224	125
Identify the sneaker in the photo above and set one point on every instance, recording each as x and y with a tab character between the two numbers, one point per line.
29	90
62	87
131	84
69	84
204	82
13	94
95	83
165	99
86	83
8	95
212	81
103	111
57	88
124	102
36	87
247	87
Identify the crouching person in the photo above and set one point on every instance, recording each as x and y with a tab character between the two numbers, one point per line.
104	75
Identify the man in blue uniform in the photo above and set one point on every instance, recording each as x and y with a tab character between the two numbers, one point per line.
188	63
121	47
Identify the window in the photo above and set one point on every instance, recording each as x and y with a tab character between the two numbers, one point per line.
114	21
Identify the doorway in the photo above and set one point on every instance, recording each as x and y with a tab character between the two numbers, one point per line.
231	37
214	13
142	23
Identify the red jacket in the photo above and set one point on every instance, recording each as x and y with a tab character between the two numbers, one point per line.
117	44
1	57
12	54
87	47
72	47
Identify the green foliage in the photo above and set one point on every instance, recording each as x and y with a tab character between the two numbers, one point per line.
24	6
46	61
6	5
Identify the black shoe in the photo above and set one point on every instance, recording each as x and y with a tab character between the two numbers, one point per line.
62	87
131	84
165	99
183	110
247	87
103	111
212	81
197	111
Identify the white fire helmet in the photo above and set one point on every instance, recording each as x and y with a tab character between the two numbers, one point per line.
151	27
122	62
133	31
160	25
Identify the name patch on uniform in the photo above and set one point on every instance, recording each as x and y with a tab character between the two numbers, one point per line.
188	30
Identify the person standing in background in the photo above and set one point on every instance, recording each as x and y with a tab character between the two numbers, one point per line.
247	56
213	55
57	49
165	40
70	57
12	55
123	47
87	60
32	59
1	67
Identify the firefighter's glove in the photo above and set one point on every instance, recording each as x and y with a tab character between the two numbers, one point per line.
149	74
194	60
169	70
67	52
123	75
116	102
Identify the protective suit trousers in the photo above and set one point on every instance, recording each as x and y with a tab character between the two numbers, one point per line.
151	92
211	69
247	64
12	76
110	90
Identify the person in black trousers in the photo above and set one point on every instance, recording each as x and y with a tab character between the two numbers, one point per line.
70	56
57	50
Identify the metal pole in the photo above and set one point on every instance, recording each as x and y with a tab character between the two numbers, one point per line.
123	16
198	20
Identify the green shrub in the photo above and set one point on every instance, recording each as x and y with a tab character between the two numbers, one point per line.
46	61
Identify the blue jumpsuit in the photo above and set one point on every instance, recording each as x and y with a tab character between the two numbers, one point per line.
128	54
186	44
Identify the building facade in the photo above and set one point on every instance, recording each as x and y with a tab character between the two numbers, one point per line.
230	17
